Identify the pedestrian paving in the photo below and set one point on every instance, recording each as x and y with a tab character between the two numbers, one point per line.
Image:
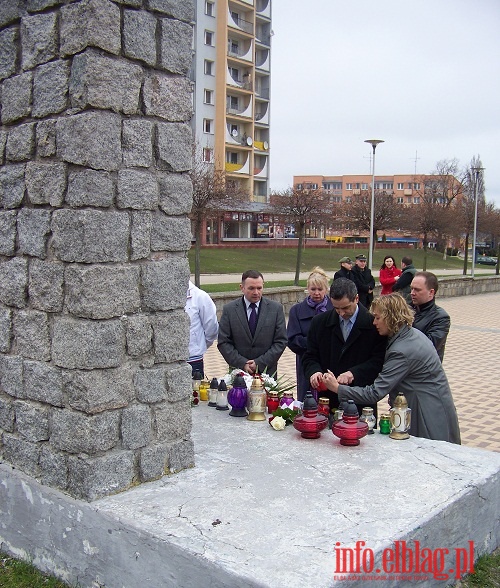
471	362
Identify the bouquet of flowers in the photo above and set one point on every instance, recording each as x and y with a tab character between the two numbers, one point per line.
269	383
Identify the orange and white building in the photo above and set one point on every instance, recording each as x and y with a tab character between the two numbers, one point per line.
231	77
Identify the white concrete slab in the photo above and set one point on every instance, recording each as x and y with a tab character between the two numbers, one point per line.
267	508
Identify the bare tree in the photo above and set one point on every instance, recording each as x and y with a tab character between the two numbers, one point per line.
212	194
387	215
300	207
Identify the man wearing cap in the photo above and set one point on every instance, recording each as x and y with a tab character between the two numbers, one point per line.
364	281
345	270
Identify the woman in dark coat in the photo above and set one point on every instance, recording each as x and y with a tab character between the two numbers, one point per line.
299	321
411	366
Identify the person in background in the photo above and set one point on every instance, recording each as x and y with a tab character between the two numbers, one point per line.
364	281
389	274
345	270
403	284
252	329
431	319
204	326
345	341
411	366
299	321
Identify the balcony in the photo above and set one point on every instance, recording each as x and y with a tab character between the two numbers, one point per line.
260	172
243	84
239	23
238	168
262	92
408	192
264	62
239	53
246	111
263	8
262	115
261	145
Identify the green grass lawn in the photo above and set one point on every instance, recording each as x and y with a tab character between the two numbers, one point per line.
237	259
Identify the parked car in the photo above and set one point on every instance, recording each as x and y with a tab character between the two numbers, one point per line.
485	260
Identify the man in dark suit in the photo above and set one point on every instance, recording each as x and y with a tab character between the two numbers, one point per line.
252	331
345	341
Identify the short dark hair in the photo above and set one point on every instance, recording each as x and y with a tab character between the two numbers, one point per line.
343	288
254	274
431	280
407	260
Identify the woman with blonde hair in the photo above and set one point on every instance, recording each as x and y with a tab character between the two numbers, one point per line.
411	366
300	318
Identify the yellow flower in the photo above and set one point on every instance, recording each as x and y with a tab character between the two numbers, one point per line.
278	423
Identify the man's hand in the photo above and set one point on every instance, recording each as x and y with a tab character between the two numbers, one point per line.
250	366
316	381
345	378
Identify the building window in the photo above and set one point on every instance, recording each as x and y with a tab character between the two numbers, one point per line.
235	74
207	155
416	185
209	8
364	186
348	199
209	67
336	199
208	125
401	186
387	186
399	200
209	97
356	186
416	200
348	186
231	157
209	38
233	102
299	187
377	185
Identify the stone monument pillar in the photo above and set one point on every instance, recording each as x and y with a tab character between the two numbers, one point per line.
95	146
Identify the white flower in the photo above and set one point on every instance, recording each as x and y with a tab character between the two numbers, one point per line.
278	423
229	378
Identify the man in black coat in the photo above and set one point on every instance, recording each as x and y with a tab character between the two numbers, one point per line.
345	270
345	341
364	281
403	283
431	319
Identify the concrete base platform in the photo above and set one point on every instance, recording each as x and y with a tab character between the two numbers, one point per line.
268	508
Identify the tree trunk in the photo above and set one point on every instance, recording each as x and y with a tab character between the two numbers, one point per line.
466	255
299	255
497	267
425	243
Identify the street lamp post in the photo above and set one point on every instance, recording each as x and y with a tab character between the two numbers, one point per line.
373	143
476	173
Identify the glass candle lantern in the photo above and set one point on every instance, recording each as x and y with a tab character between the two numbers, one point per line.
384	424
368	417
350	429
256	402
310	423
212	392
197	378
204	386
222	396
400	418
237	397
324	406
273	402
286	400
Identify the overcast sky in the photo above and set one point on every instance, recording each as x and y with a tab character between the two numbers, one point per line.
423	75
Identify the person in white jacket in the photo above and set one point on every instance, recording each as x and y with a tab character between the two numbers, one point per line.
204	325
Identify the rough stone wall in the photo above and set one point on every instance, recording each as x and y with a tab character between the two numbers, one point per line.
95	144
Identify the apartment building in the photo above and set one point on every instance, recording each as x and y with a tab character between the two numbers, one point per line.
406	189
231	77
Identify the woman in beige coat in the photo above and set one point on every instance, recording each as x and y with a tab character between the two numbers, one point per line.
411	366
